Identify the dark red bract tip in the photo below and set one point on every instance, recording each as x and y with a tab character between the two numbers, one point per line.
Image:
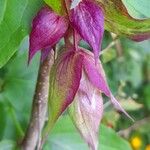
47	29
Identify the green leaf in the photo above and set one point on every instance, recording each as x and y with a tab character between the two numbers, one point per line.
7	145
2	120
138	9
66	137
118	20
146	96
16	93
109	140
56	5
2	9
15	22
20	77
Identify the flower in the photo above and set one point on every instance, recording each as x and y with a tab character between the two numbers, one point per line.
77	78
136	142
147	147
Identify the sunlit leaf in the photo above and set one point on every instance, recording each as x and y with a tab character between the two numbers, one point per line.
15	26
117	20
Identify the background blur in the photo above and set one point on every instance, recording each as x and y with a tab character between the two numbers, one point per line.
127	65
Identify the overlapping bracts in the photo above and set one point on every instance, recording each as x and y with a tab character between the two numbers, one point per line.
76	81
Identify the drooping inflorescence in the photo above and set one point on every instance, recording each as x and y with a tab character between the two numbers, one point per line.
77	78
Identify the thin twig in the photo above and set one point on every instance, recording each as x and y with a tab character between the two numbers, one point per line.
107	104
39	107
110	45
118	45
127	131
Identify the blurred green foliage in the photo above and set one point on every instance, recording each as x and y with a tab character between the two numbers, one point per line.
127	65
129	78
136	10
15	23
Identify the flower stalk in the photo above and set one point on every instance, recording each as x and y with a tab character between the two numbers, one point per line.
39	106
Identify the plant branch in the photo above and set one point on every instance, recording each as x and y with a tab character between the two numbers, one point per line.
110	45
39	106
118	45
125	132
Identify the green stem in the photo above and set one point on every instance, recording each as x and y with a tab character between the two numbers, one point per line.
16	122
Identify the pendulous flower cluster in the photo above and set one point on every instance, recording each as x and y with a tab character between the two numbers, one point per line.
77	76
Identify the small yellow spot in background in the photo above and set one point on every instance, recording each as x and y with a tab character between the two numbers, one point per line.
136	142
147	147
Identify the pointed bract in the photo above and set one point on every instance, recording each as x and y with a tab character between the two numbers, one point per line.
88	20
47	29
96	75
86	111
64	83
119	107
87	108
